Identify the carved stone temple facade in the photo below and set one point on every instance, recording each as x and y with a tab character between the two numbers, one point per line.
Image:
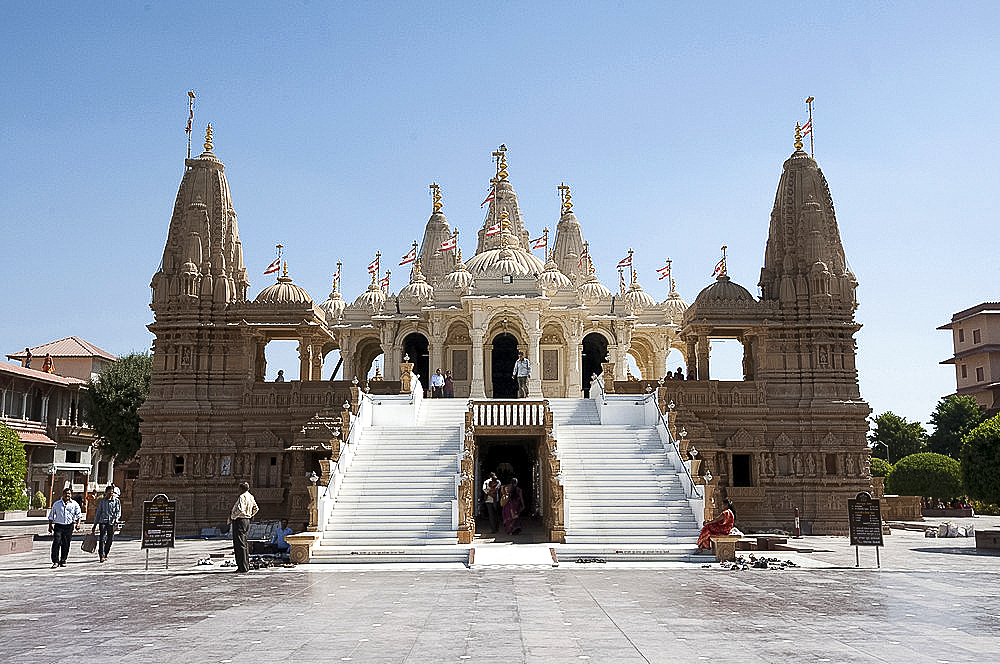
790	434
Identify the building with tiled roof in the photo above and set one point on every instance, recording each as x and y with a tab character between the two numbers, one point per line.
71	356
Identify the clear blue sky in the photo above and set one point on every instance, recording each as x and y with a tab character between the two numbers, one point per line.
670	124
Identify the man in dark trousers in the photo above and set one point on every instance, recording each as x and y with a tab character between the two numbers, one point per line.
244	510
64	518
106	516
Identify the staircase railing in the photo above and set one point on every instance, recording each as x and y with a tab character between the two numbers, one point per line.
693	491
328	497
508	413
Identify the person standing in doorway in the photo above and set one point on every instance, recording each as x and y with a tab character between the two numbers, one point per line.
437	385
244	510
109	510
449	385
522	372
64	518
512	501
491	492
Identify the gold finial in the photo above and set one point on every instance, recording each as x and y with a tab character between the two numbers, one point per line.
208	138
459	254
567	198
436	193
501	157
284	272
336	278
798	136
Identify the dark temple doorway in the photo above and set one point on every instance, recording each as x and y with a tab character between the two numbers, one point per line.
510	457
504	355
595	350
415	345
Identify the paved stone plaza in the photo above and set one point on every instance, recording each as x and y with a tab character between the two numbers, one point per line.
933	600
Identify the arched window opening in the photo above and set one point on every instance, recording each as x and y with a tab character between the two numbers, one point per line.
281	355
595	350
675	361
415	346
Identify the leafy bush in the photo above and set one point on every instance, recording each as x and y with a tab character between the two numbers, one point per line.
13	466
22	502
987	509
981	461
925	474
953	418
880	467
38	501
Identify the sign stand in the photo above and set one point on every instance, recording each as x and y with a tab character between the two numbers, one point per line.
158	525
865	518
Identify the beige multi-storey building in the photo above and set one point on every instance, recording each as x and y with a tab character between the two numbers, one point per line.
975	334
790	434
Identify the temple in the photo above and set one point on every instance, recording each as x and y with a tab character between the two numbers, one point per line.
791	435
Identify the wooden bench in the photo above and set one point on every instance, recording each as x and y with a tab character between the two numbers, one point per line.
725	547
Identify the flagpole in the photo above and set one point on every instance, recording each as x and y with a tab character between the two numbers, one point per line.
190	119
812	130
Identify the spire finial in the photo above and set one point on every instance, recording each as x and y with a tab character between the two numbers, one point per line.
208	138
566	197
459	254
501	156
798	136
336	278
436	193
284	272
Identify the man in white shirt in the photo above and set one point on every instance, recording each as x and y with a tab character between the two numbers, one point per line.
244	510
64	518
437	385
522	372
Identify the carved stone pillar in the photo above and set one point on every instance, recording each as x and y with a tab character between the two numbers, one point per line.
305	360
608	368
478	388
535	358
317	360
703	351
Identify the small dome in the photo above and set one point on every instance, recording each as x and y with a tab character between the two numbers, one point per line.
593	290
552	279
498	262
333	308
372	299
723	289
284	292
418	290
460	279
673	308
637	299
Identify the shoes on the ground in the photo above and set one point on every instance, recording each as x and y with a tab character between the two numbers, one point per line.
55	565
62	564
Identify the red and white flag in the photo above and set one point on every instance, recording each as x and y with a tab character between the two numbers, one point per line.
449	244
625	262
664	272
489	197
336	275
540	243
410	257
384	282
582	256
373	266
493	230
273	267
807	127
720	267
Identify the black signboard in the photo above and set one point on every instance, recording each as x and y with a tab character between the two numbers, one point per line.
158	519
865	514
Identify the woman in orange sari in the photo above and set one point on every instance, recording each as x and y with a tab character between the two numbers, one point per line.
721	525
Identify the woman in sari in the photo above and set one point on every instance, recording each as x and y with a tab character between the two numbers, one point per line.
721	525
512	501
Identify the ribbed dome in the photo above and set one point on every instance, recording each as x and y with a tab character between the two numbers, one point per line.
418	290
723	290
552	279
372	299
334	307
283	292
498	262
459	280
637	299
673	308
593	290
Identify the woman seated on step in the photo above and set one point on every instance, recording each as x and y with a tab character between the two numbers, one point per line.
720	525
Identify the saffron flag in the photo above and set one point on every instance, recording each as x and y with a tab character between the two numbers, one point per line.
807	127
625	262
489	197
373	266
720	268
664	272
273	267
493	230
540	243
410	257
450	243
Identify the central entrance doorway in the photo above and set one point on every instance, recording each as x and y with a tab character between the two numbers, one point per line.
595	350
511	457
503	357
415	345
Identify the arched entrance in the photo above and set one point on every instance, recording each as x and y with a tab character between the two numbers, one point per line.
511	457
415	345
503	357
595	349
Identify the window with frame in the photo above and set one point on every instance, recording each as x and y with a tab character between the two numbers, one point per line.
980	374
965	371
961	334
977	337
742	475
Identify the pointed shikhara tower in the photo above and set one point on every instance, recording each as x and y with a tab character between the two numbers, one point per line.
792	434
210	420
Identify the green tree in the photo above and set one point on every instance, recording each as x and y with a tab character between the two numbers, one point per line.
925	474
13	466
953	418
113	400
981	461
880	467
902	438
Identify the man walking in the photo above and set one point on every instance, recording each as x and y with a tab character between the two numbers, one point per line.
64	518
106	516
437	385
244	510
522	371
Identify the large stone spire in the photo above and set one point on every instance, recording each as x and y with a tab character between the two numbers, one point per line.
804	265
569	240
503	200
436	263
203	260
